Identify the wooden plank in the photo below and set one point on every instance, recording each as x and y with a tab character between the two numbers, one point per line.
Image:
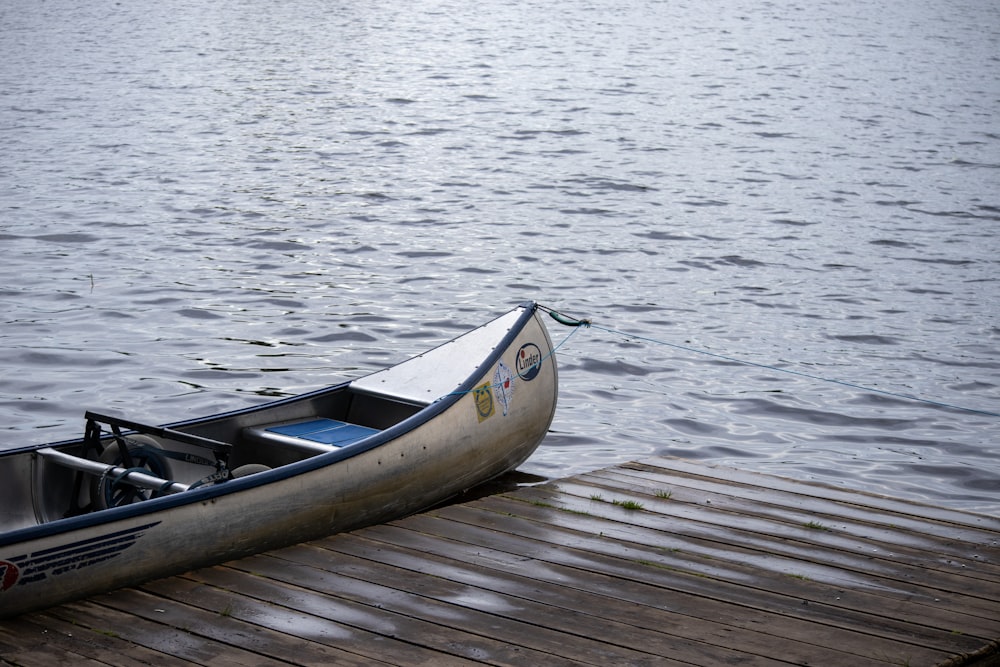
576	624
958	544
27	644
770	549
41	634
165	626
898	536
929	514
634	578
830	540
309	615
523	641
282	631
740	569
44	655
316	592
711	566
686	617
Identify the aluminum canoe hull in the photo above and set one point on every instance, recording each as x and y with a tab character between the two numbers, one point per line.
478	425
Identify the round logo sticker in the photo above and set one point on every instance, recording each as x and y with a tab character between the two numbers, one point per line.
528	362
483	397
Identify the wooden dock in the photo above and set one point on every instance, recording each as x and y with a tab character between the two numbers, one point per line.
660	562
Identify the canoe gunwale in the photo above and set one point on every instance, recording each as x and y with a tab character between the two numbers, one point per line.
209	492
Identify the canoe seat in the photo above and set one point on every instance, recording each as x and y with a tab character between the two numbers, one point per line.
308	437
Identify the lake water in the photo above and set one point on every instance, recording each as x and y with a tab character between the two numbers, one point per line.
206	205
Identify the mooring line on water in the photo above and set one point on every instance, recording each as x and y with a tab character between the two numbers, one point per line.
579	323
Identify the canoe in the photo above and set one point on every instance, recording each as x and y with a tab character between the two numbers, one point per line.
129	502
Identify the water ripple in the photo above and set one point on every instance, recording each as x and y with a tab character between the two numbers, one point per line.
210	204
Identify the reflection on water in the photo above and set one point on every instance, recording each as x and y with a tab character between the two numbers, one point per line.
205	206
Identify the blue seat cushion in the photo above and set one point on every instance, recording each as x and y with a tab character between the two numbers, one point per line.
324	431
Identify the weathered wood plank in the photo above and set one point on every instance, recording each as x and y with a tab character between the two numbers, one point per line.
679	615
576	624
282	632
957	543
873	530
639	578
930	514
710	566
316	615
168	627
442	618
39	634
25	643
44	655
830	542
795	552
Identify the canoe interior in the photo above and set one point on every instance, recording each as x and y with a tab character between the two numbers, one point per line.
38	489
